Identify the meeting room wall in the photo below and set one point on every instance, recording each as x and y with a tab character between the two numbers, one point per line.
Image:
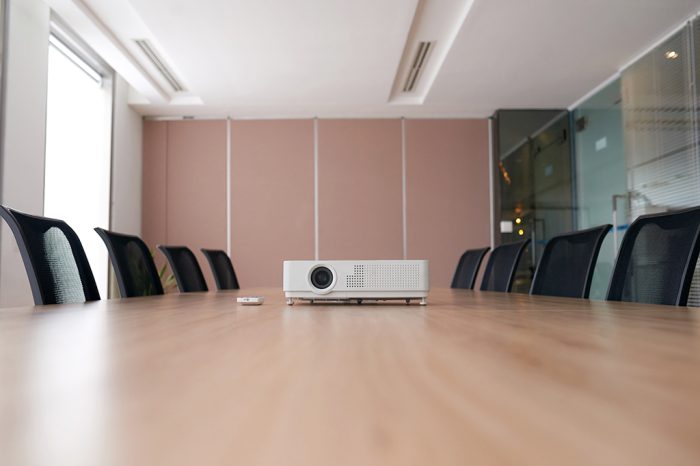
23	154
26	78
270	190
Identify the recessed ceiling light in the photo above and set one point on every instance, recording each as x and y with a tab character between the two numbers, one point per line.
671	54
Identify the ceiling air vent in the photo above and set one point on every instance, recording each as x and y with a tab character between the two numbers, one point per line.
165	72
419	61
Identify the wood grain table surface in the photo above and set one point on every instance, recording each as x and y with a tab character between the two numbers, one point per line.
473	378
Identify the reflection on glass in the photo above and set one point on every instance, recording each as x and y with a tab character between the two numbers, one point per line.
660	131
535	181
601	177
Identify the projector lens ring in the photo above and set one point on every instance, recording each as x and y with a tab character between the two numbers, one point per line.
321	277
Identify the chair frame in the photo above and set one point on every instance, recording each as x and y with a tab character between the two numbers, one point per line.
178	278
87	278
590	268
483	251
688	268
207	254
118	272
514	267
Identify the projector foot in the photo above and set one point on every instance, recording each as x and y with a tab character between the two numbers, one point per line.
423	302
290	302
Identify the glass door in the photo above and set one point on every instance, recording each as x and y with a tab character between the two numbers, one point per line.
535	179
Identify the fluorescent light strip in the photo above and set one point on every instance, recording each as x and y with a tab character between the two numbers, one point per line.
75	59
159	64
418	62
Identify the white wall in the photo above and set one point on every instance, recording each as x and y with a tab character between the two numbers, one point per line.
22	172
25	123
127	148
127	154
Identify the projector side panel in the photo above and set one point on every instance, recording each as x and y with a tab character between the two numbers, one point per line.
295	273
286	275
357	277
424	275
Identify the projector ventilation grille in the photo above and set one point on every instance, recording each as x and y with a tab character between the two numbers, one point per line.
384	277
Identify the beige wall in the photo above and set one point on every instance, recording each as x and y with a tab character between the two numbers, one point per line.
272	197
155	144
360	189
447	175
360	168
184	186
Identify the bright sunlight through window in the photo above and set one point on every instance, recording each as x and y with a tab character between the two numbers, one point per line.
78	150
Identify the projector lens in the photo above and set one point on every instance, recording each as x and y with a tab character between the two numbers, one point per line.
321	277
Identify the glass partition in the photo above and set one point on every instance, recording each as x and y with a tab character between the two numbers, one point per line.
660	128
637	147
601	176
535	181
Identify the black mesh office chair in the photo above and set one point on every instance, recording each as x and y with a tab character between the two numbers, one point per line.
657	259
133	265
468	268
222	268
56	264
567	263
502	265
185	267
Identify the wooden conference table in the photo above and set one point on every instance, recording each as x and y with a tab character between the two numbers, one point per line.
473	378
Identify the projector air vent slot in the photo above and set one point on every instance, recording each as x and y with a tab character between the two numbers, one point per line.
417	65
384	276
159	64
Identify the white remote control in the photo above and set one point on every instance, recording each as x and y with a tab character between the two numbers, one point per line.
250	300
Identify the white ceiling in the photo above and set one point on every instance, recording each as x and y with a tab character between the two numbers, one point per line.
338	58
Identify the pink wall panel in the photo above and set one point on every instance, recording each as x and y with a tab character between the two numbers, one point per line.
272	195
360	189
155	146
447	194
196	187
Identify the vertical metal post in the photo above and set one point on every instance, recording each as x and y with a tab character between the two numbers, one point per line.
316	239
403	187
229	217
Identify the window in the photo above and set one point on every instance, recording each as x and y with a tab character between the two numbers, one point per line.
78	146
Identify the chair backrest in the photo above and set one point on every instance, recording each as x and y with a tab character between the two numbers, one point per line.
56	264
133	264
468	268
185	267
567	263
657	259
502	265
222	268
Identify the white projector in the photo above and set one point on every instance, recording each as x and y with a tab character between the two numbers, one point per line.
356	280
